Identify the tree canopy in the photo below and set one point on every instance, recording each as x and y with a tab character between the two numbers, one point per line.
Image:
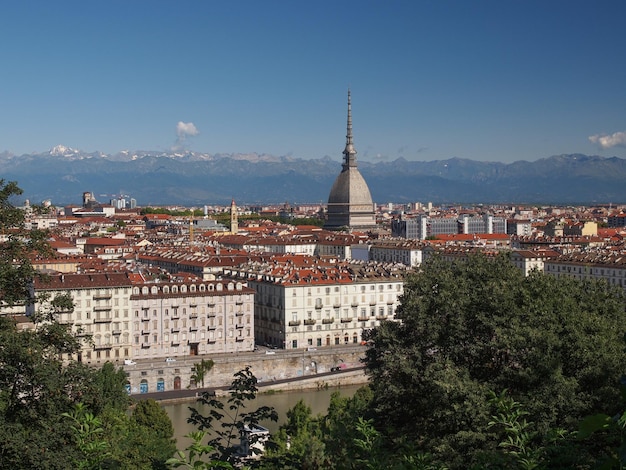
471	327
55	412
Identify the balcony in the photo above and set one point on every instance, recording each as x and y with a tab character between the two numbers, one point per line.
212	327
239	314
346	320
102	295
145	332
193	328
175	330
211	315
145	345
239	339
102	308
326	321
211	341
103	319
211	304
238	302
364	318
145	319
238	326
193	315
294	323
116	332
310	321
318	305
175	343
102	346
354	304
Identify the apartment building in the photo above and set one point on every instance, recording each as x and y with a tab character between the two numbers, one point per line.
190	318
304	302
596	264
101	312
528	260
408	252
423	227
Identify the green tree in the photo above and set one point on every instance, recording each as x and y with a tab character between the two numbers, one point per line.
470	327
200	369
196	455
88	433
232	418
56	413
299	443
18	246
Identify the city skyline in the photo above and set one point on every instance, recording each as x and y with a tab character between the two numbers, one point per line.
487	81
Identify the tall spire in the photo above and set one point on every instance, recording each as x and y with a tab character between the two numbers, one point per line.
349	152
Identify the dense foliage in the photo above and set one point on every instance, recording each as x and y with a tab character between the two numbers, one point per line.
56	413
472	327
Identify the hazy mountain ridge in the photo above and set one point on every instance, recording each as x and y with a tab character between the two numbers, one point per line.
192	178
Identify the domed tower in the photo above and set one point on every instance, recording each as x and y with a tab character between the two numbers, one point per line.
350	202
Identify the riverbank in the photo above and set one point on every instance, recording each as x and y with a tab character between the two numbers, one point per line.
320	381
174	378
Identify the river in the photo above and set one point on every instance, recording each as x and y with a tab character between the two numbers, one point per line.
317	400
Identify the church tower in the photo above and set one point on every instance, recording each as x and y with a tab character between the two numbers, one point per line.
350	204
234	223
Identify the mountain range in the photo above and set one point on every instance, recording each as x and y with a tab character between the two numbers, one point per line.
189	178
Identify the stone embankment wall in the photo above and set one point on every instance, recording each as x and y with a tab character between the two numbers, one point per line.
269	366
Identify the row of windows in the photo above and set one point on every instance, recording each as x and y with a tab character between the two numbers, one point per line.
183	288
175	312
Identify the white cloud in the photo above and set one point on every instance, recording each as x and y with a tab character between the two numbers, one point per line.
184	129
618	139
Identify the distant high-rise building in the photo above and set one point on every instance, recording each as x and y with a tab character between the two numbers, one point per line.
350	202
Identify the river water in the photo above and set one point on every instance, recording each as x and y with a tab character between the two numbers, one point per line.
317	400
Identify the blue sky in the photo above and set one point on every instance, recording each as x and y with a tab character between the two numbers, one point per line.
486	80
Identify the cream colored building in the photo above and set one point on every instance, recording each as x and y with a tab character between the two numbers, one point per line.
304	304
101	311
179	319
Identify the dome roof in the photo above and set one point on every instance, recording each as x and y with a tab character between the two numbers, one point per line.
350	188
350	202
